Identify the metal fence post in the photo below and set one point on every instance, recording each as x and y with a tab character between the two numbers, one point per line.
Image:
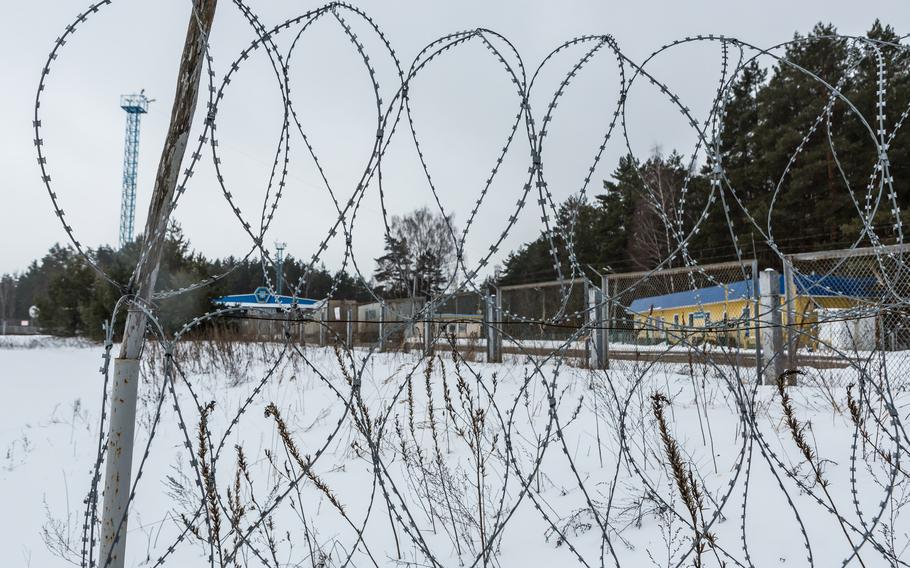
497	312
754	321
117	475
119	462
771	335
382	326
323	317
488	326
791	295
494	353
349	330
597	353
428	329
589	347
606	318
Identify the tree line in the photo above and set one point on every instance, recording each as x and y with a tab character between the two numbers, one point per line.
73	299
626	227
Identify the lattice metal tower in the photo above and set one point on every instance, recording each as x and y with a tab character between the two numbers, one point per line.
135	106
279	265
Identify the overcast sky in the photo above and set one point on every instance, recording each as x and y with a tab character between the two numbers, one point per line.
463	107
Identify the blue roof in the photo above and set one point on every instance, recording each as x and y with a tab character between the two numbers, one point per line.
830	285
263	298
710	295
833	285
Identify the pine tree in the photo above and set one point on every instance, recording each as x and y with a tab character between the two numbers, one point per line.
859	157
811	196
429	274
394	268
743	180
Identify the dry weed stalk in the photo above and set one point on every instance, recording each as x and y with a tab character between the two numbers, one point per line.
236	507
305	464
797	433
860	423
440	466
344	368
689	491
474	432
447	398
208	478
268	527
797	430
410	385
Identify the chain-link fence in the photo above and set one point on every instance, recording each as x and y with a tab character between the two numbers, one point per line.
835	308
460	318
850	304
542	315
678	309
666	313
398	324
18	327
386	324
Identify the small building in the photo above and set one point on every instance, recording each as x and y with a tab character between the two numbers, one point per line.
717	314
389	317
461	327
398	322
723	314
263	313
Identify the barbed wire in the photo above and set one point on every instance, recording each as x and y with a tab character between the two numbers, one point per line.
519	463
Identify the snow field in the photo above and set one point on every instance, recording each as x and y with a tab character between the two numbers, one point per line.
573	469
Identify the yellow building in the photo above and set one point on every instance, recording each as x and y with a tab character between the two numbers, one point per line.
723	314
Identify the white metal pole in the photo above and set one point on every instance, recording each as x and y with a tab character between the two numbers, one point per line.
428	329
119	460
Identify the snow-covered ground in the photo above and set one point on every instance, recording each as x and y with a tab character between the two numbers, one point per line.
600	495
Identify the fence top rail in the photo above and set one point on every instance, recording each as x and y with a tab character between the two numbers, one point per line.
746	263
546	284
847	253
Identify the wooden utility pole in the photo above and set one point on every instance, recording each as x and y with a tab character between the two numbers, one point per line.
117	478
